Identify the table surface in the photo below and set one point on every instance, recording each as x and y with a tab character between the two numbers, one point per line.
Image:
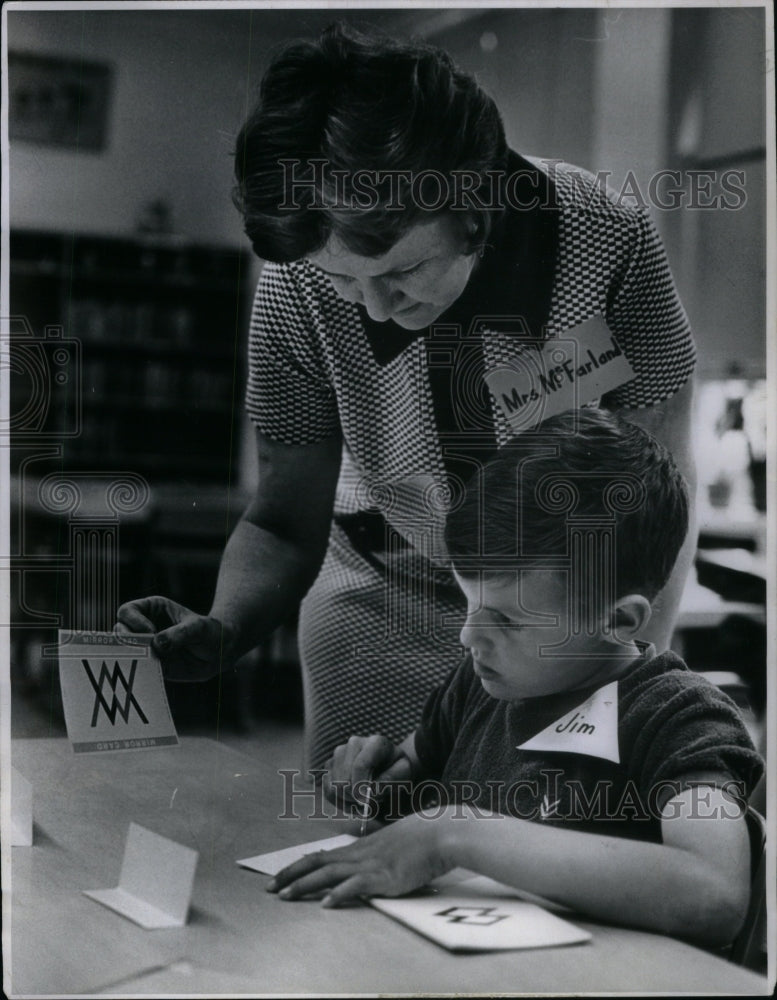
239	938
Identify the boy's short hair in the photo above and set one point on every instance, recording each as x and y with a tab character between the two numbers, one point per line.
589	466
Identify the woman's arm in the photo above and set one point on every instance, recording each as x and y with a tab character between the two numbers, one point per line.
269	563
274	555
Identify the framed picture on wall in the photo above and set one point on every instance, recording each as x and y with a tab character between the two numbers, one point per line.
58	102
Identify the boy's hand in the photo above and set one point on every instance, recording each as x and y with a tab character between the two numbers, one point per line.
360	760
391	862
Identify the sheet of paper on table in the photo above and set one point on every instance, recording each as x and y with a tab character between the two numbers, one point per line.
461	911
113	693
276	861
156	880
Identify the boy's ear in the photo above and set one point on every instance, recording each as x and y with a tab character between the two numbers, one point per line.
630	614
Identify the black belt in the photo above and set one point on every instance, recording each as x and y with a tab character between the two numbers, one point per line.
370	532
372	537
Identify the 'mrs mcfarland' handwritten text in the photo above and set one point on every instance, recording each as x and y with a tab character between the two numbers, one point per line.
564	373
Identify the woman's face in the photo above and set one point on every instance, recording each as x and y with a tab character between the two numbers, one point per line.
413	284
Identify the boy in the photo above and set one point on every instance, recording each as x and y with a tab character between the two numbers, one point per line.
575	763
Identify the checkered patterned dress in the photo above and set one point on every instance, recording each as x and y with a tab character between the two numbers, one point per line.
379	630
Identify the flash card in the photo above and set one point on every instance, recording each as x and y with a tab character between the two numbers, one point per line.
155	885
462	920
113	693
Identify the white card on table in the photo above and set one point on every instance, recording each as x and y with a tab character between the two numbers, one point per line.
113	693
156	880
21	810
276	861
463	920
546	377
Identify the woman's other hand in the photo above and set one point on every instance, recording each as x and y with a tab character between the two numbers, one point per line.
191	647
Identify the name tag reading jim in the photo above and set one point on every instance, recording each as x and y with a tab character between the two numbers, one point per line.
590	728
552	376
113	693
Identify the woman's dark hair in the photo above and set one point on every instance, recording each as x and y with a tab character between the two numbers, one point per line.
352	124
588	466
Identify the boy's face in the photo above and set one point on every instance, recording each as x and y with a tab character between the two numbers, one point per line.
510	618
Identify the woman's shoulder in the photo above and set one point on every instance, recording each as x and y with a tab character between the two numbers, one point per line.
297	289
579	190
298	275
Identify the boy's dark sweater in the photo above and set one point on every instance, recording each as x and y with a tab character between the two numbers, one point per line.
671	724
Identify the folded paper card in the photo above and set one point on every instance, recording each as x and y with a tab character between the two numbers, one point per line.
21	810
276	861
113	693
156	880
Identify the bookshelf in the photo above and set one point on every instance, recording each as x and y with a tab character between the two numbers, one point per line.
152	331
126	398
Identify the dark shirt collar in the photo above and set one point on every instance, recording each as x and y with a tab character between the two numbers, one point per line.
512	284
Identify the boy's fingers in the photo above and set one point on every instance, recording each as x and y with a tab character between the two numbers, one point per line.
351	751
376	752
315	881
301	867
362	884
335	790
337	766
400	770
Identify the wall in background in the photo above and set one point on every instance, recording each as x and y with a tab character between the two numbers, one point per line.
603	89
716	124
178	101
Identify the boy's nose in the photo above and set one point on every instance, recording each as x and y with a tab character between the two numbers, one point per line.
473	635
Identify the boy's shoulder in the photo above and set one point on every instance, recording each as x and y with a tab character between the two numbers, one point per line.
672	720
659	675
663	684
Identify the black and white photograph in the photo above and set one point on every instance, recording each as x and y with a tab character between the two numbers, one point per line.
387	541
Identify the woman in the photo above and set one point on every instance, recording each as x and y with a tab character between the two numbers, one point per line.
375	178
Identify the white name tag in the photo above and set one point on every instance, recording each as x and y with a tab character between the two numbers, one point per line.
590	728
552	376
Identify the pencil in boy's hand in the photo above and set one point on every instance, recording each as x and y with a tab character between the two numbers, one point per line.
367	805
